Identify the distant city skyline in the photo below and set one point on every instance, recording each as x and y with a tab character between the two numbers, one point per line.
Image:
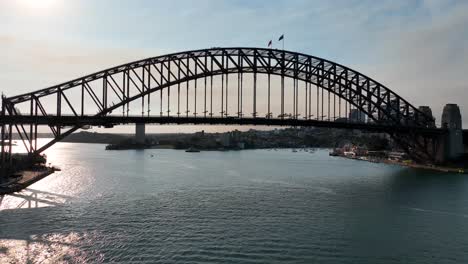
416	48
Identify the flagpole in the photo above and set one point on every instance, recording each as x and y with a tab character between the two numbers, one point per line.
282	40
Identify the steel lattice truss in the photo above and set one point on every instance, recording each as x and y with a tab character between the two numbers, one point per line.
168	75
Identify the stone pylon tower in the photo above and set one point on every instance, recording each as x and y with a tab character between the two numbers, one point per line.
140	133
453	143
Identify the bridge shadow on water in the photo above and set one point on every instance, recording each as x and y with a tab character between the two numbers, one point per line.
413	188
31	198
34	228
407	211
411	183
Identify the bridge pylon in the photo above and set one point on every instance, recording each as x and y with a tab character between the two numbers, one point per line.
140	135
6	144
452	142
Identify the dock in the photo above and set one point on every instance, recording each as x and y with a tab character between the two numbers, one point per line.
26	178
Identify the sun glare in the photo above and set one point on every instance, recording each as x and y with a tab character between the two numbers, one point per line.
39	4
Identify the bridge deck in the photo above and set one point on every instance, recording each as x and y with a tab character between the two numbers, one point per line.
118	120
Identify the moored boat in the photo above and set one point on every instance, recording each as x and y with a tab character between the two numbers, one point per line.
192	150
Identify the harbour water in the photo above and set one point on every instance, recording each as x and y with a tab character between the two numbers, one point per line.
255	206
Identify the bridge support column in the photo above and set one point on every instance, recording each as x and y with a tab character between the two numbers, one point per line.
452	142
140	133
3	157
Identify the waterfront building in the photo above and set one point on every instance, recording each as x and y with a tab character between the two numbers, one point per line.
225	140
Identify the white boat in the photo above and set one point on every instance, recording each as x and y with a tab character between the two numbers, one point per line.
192	150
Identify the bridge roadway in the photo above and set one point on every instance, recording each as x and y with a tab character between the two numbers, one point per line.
110	120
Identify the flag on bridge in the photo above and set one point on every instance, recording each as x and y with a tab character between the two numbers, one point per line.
270	44
281	38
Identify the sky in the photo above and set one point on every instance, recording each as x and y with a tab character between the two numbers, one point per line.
417	48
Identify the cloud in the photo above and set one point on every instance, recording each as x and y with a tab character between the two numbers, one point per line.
426	62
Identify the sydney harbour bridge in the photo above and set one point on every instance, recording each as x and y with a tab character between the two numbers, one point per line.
243	86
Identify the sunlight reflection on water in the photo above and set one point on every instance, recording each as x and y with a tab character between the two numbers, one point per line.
257	206
55	190
48	248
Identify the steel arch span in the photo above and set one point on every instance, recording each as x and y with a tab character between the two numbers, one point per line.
222	86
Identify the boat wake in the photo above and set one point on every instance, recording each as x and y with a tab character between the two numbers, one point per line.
436	212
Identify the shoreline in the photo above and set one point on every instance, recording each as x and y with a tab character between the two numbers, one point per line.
218	149
410	165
